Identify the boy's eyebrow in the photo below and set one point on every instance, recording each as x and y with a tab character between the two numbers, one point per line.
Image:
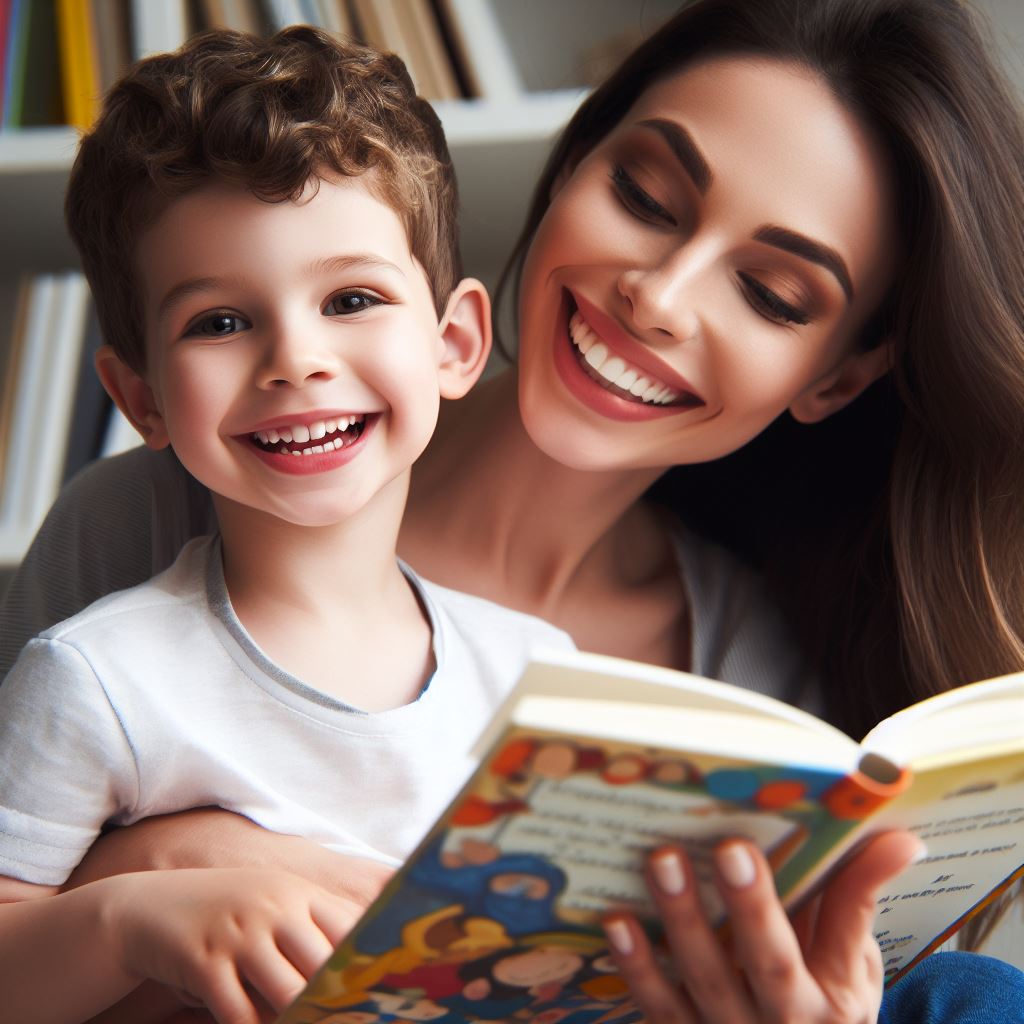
182	290
686	151
808	249
354	259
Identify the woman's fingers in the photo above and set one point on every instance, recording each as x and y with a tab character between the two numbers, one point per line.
659	999
764	943
847	907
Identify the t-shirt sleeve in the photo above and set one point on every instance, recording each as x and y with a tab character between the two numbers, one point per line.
66	765
739	635
119	522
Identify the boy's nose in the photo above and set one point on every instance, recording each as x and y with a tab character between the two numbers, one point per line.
294	358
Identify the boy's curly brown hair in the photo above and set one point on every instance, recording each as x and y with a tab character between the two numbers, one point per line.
270	116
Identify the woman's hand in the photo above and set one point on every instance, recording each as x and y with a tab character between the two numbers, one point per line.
238	941
823	967
215	838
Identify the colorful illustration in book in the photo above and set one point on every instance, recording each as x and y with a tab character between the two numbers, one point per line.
497	915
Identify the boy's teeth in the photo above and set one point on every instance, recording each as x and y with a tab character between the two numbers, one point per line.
300	434
614	369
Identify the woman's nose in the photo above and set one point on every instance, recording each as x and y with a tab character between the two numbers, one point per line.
662	297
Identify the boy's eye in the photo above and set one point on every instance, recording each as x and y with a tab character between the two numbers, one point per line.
351	302
637	200
769	305
217	325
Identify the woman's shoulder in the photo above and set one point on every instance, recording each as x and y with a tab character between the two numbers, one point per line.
118	522
738	632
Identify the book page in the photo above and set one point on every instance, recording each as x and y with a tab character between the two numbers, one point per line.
599	834
971	819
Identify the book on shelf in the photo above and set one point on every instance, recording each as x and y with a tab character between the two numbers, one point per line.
91	406
27	402
79	63
32	87
239	15
408	28
592	762
36	441
14	294
5	26
480	49
108	21
158	26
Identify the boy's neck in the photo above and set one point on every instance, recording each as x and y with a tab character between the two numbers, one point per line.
330	604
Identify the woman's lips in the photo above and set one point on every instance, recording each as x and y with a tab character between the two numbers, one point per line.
630	382
621	355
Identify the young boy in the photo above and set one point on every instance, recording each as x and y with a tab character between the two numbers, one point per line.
269	232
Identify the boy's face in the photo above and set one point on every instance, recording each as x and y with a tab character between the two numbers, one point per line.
294	352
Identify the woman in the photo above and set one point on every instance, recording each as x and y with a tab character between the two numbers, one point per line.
772	206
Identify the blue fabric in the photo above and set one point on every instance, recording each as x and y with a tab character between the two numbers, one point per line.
956	988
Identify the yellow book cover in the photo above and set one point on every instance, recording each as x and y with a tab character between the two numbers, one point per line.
79	63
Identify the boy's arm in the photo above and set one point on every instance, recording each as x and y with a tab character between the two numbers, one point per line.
210	935
211	837
119	522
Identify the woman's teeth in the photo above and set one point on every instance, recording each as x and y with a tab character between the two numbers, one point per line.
616	370
327	435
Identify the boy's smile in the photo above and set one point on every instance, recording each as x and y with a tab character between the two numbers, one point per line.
293	348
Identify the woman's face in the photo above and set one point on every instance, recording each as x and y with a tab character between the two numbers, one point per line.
706	267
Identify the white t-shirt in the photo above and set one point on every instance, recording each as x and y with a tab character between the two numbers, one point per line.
155	699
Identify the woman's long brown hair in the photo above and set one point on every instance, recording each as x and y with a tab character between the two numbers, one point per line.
892	533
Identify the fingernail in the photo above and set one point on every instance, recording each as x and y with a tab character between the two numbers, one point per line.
735	865
619	936
668	873
921	854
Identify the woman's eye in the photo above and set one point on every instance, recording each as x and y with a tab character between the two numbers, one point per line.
217	325
351	302
637	200
769	305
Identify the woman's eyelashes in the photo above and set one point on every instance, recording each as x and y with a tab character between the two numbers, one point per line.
769	304
638	200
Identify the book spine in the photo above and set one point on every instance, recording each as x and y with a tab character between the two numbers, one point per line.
79	63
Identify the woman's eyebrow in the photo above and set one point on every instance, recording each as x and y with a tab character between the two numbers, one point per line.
685	149
808	249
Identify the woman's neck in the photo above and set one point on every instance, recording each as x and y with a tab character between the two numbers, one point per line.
492	514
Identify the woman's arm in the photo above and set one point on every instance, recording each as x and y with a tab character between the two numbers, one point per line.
119	522
232	940
211	837
822	968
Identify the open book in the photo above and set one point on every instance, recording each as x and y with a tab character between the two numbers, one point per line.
593	761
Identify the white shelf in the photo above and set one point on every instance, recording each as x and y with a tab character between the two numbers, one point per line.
498	147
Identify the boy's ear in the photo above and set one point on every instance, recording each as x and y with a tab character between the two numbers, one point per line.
842	385
465	336
133	396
